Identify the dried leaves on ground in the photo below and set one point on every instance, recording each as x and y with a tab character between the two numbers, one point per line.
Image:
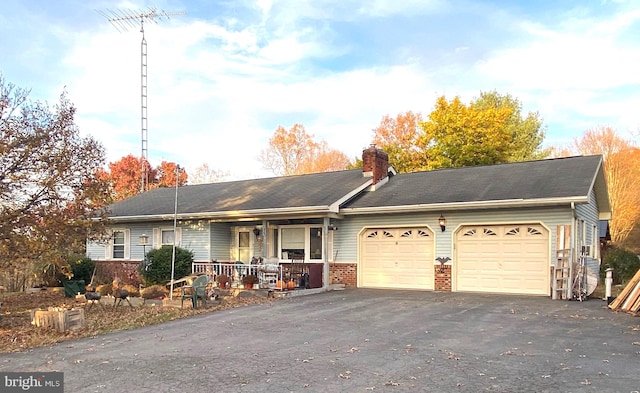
18	334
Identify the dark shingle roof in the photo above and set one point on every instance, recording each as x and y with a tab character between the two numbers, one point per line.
551	181
560	178
314	190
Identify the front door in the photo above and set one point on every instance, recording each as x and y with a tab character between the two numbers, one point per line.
243	242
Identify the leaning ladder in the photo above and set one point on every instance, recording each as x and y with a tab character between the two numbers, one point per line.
563	270
562	274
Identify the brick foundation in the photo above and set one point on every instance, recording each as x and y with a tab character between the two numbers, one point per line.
343	273
126	271
442	281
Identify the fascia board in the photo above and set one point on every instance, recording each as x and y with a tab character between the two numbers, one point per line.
466	205
238	214
335	206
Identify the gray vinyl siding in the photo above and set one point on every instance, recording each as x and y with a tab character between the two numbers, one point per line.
95	250
346	238
589	213
220	238
195	237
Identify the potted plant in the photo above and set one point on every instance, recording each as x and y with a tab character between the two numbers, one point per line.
222	280
249	280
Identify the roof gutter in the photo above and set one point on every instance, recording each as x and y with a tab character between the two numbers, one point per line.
233	214
466	205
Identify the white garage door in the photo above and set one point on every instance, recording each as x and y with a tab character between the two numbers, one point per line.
503	259
397	258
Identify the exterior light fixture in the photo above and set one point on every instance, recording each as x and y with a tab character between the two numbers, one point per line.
443	222
332	228
256	232
143	240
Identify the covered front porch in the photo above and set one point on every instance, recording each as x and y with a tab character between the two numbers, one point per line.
261	273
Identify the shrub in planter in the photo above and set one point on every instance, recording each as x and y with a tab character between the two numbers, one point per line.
158	269
222	280
250	280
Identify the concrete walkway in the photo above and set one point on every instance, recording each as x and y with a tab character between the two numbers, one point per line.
360	340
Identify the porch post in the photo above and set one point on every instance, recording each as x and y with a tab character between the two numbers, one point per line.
265	238
325	250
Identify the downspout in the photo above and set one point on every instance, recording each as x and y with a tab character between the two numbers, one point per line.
325	250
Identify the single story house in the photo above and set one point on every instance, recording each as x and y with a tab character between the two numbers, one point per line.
517	228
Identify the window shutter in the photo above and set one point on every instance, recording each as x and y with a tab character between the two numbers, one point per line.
177	237
108	248
127	244
157	241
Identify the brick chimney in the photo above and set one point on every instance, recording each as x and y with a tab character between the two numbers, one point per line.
375	163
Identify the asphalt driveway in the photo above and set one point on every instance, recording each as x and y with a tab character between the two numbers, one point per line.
361	340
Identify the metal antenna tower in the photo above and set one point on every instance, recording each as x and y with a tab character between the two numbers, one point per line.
123	20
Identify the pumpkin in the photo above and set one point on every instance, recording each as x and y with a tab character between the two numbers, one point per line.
280	284
291	285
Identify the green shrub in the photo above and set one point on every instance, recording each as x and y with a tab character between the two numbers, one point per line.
624	263
81	267
157	271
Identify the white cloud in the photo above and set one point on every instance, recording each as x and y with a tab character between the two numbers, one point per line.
219	85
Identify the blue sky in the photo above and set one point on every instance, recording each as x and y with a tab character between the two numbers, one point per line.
223	76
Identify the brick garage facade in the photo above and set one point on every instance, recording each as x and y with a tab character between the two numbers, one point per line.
343	273
442	276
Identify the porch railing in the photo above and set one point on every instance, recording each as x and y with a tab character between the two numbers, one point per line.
267	274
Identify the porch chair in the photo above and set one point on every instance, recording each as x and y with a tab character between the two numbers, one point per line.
198	289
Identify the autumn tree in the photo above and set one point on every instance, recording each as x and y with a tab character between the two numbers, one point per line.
167	174
489	130
203	174
526	132
50	192
399	138
125	176
324	159
622	171
294	152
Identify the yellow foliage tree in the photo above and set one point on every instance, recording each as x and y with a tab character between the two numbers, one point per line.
490	129
622	170
457	135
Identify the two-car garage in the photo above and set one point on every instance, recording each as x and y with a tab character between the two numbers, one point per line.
510	258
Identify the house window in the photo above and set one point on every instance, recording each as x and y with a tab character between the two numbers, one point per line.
118	245
168	237
292	242
315	243
302	241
